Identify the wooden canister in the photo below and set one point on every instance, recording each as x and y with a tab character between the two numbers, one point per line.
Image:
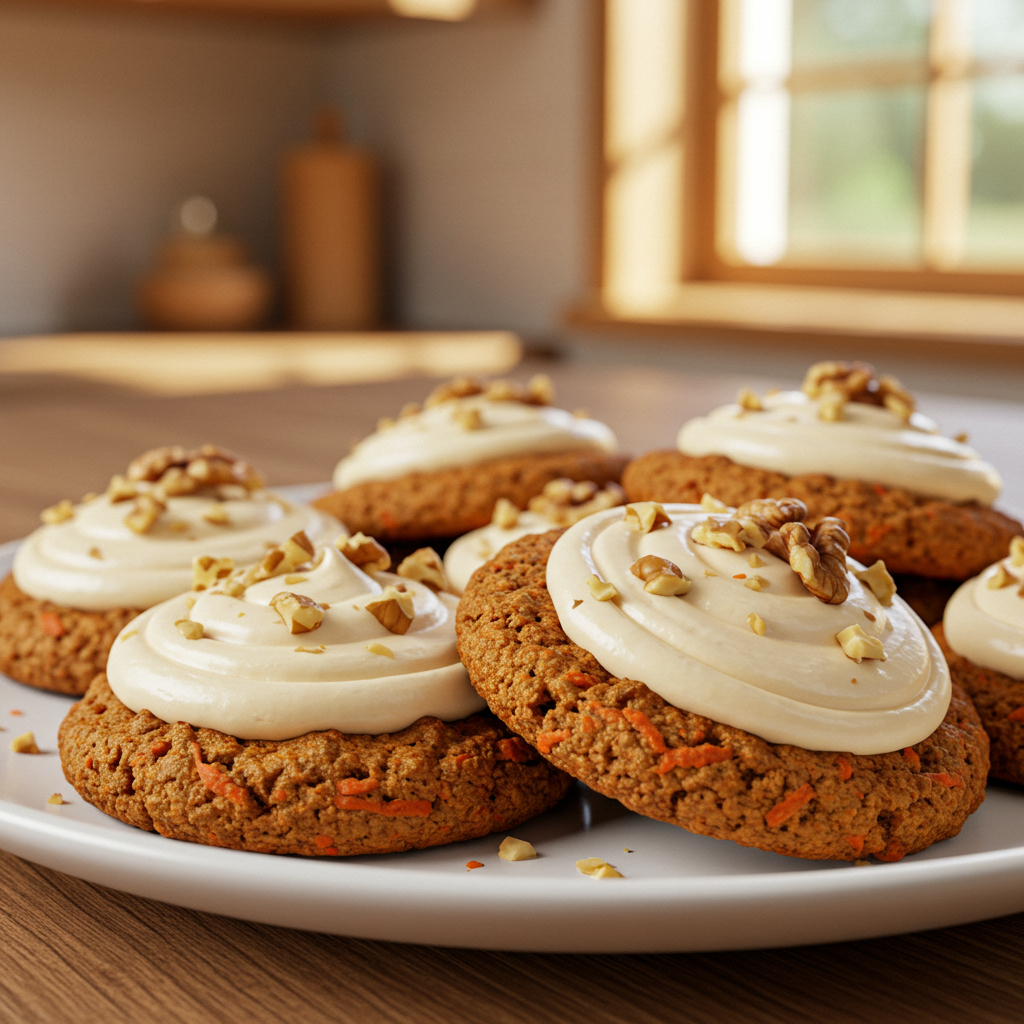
331	233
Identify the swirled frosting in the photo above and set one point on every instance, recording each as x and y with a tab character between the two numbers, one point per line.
466	432
868	443
984	622
94	561
250	677
467	553
793	685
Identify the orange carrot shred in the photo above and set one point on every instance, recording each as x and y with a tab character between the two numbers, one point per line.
160	748
88	762
692	757
893	852
356	787
740	576
513	749
910	756
845	768
546	740
471	864
1016	715
580	679
216	779
587	724
389	808
878	489
857	844
608	714
323	841
949	781
789	805
646	728
279	796
459	758
51	624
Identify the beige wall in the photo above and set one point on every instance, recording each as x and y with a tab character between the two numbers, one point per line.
107	120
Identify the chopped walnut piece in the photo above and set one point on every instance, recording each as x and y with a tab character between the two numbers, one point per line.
233	588
299	613
206	571
660	576
468	419
757	583
121	489
56	799
818	558
144	514
190	630
564	502
710	503
596	868
24	744
297	550
269	565
505	515
459	387
830	406
206	466
540	390
600	590
857	382
516	849
59	513
857	645
216	515
310	650
175	482
1001	578
646	516
754	561
877	579
393	609
748	400
424	565
503	391
375	648
1017	552
756	623
365	552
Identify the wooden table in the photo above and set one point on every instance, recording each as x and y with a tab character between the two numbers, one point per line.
73	951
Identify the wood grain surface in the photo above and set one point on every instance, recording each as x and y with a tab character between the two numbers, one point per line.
71	951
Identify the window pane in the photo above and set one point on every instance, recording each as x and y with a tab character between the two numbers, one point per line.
997	28
855	177
995	225
859	30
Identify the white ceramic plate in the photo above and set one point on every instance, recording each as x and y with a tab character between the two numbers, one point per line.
680	892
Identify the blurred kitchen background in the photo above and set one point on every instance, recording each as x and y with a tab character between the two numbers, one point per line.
702	187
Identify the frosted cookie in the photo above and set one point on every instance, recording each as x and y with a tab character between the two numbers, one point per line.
562	503
848	445
982	635
94	566
731	675
314	704
437	471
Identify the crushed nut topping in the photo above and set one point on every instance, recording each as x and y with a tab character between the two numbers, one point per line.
597	868
296	550
190	630
215	515
747	399
660	576
1017	552
180	470
56	799
59	513
206	571
292	580
516	849
299	613
145	512
393	609
857	382
757	583
857	645
754	561
818	557
505	515
1001	578
539	391
756	623
375	648
468	419
564	502
310	650
877	579
24	744
646	516
121	488
424	565
710	503
365	552
600	590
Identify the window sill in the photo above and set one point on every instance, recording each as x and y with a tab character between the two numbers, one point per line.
980	326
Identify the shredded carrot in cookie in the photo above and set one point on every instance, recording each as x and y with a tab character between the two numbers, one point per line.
160	748
216	779
389	808
893	852
877	531
879	490
356	787
513	749
459	758
856	844
845	768
580	679
546	740
323	841
646	728
608	714
789	805
692	757
1016	716
51	625
949	781
910	756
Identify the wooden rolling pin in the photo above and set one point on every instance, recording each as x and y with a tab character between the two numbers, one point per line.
331	233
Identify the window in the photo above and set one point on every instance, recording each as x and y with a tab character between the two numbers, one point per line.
815	165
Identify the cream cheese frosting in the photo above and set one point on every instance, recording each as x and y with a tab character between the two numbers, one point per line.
468	431
869	443
793	684
249	677
984	619
94	561
467	553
